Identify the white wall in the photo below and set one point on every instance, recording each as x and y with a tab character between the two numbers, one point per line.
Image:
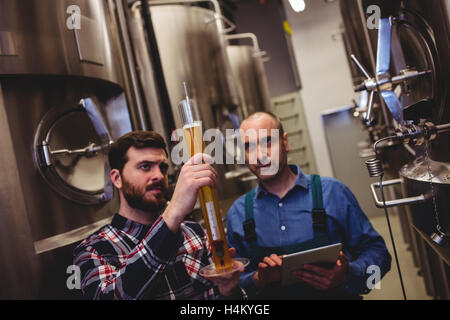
323	68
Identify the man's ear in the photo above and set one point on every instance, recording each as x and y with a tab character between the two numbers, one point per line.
287	147
116	178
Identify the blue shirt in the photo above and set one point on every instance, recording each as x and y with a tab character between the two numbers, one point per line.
286	221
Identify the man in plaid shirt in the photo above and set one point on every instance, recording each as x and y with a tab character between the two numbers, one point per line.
148	251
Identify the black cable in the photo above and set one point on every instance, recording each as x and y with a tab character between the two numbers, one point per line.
392	238
375	168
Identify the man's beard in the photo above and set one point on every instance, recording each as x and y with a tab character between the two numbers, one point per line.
265	177
136	198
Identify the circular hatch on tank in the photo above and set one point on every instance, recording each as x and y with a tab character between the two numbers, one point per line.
71	146
424	96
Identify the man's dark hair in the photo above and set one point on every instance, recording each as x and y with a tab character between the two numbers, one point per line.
117	155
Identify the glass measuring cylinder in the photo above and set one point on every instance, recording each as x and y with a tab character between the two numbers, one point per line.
193	135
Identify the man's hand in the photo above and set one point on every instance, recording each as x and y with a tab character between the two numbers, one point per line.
321	278
194	175
269	271
228	283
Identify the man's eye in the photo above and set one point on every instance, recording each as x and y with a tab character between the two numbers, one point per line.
164	168
145	166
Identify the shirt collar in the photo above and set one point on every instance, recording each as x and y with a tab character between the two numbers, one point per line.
132	228
301	180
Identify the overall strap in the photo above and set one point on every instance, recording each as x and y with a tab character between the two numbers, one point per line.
319	216
249	223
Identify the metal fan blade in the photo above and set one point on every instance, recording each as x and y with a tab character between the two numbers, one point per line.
384	46
394	105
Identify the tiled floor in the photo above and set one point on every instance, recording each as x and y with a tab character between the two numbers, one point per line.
390	284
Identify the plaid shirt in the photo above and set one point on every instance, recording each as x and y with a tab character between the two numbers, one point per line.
128	260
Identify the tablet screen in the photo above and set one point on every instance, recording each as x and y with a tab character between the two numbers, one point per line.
325	256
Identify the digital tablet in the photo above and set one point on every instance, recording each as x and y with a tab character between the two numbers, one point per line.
291	262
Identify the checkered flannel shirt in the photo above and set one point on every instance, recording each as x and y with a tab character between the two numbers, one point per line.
128	260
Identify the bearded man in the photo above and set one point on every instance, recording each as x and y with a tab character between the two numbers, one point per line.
148	251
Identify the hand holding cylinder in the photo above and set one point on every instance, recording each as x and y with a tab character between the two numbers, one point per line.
194	175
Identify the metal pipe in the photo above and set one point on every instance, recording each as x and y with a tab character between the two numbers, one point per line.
249	35
368	115
129	59
443	128
217	16
360	66
396	202
215	4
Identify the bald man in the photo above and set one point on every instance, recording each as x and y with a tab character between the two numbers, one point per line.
289	212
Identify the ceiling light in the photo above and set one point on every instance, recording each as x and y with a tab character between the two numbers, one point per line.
297	5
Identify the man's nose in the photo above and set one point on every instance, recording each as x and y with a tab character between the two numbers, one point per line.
262	154
157	175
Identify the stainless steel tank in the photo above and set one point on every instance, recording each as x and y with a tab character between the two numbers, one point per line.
247	65
192	50
37	39
419	41
248	70
191	43
426	177
423	34
61	99
431	179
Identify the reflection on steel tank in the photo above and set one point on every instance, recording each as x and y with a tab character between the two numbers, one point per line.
62	102
191	48
247	63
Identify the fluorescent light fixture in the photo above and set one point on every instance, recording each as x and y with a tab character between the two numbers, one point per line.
297	5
